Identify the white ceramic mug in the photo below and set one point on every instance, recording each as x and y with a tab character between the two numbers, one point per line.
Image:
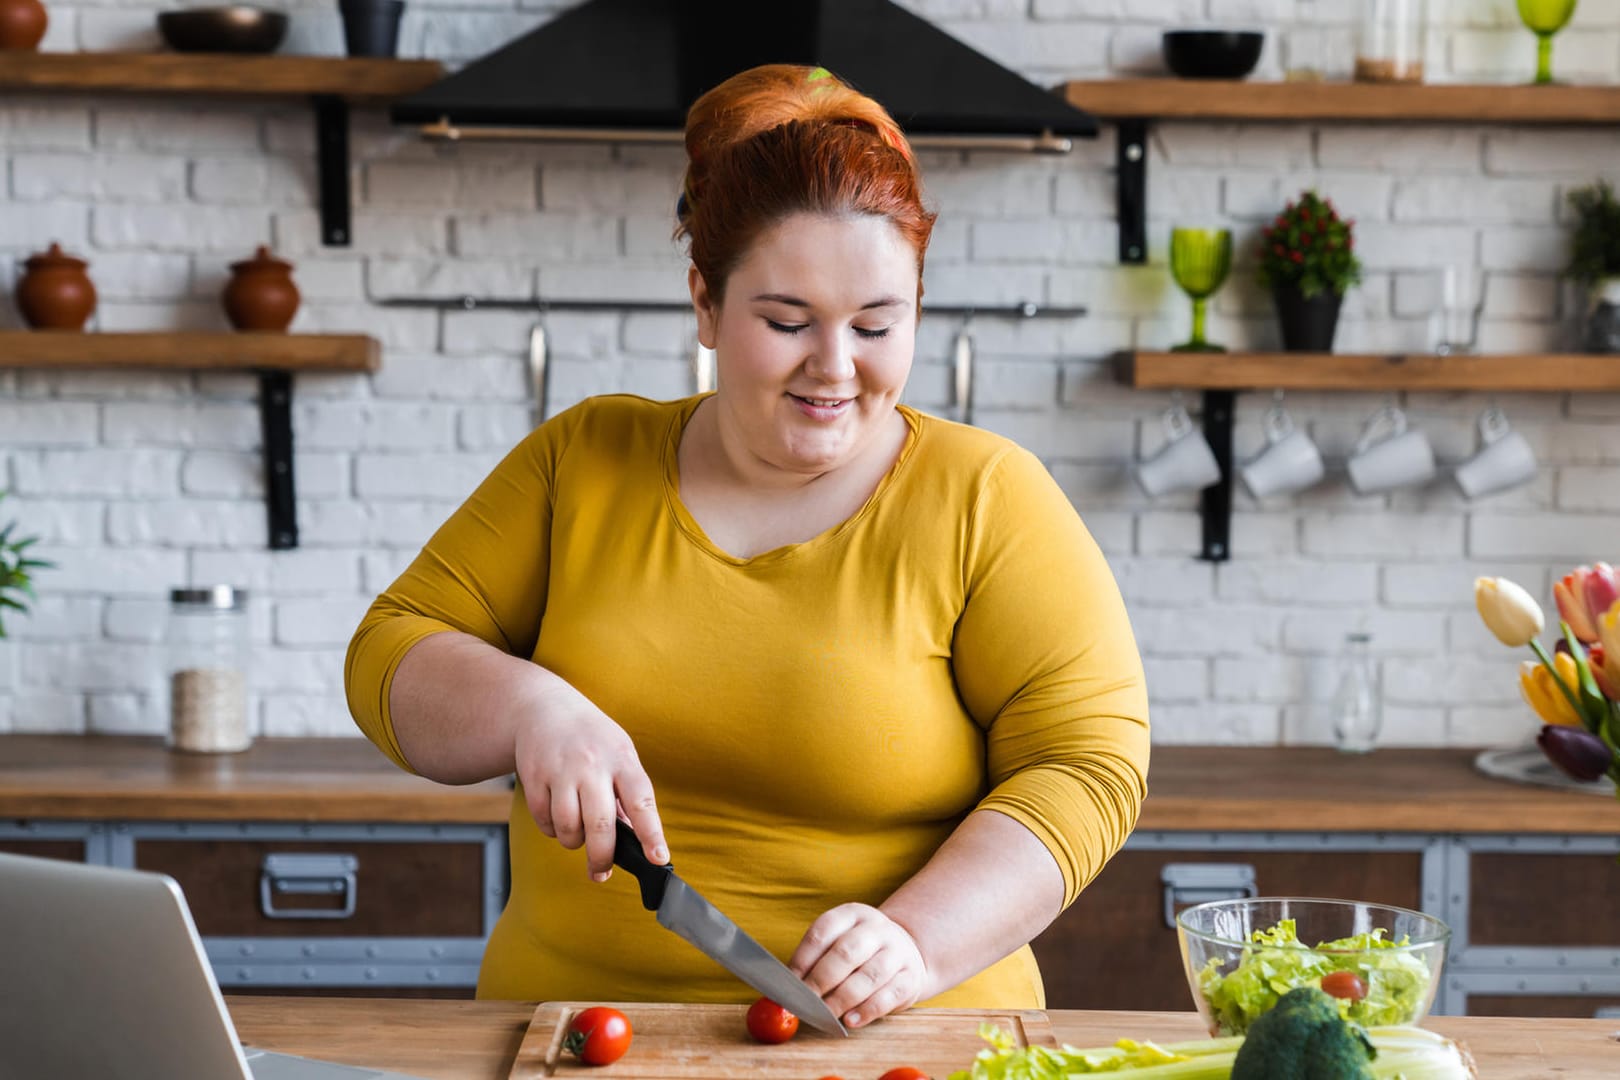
1289	462
1388	455
1504	459
1184	463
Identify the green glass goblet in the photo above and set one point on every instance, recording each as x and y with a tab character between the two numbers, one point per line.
1546	18
1199	261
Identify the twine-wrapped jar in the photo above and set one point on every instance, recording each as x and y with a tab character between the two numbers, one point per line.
208	647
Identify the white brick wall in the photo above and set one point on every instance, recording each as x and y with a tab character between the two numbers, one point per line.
138	481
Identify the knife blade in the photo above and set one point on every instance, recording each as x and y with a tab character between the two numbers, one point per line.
683	909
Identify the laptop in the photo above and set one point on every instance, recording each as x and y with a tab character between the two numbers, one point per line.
102	974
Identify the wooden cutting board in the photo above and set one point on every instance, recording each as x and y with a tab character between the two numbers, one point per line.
711	1042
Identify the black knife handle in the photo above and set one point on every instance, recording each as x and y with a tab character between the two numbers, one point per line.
654	878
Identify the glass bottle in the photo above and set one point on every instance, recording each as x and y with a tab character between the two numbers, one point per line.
1389	46
1357	708
208	646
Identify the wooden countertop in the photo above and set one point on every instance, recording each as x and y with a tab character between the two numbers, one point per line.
1225	789
478	1040
1318	789
114	776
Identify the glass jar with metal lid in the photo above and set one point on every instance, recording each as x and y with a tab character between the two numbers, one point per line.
208	649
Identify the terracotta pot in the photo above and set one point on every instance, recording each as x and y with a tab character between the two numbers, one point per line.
261	294
22	24
54	292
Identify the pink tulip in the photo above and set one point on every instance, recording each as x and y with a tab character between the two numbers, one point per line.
1600	590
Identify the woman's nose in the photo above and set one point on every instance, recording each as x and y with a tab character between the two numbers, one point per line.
831	359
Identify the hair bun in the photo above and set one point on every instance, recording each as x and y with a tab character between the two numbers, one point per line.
782	139
774	94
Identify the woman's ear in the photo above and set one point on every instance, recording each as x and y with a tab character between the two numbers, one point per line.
704	304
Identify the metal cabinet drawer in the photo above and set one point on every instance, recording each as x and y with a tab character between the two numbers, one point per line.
251	888
1544	899
66	850
1581	1005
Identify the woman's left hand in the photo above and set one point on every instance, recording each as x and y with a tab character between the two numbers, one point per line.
862	963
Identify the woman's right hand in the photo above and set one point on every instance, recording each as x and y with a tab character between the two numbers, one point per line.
578	768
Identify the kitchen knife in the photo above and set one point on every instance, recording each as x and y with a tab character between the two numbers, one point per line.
682	909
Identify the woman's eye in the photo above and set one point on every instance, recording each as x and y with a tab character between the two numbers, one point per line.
872	334
785	328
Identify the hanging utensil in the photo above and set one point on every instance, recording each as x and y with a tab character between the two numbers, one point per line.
537	370
962	368
702	369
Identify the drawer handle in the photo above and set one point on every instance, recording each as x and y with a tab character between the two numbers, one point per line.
307	875
1186	884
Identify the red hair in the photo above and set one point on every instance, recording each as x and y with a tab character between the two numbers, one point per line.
783	139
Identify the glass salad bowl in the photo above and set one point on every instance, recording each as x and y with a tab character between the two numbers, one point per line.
1382	963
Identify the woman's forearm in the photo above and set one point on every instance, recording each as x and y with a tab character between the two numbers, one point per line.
989	889
455	703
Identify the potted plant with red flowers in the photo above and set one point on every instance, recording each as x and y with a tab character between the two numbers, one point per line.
1308	260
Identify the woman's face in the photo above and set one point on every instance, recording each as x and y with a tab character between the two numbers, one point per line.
814	340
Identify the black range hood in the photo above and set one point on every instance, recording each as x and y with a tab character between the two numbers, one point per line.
628	69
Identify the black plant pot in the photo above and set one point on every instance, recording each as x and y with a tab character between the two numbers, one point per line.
371	27
1308	323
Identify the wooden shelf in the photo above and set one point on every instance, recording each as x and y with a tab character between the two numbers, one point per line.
1218	99
189	351
330	82
1531	372
272	357
354	79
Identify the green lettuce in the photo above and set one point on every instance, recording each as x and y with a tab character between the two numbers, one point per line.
1275	962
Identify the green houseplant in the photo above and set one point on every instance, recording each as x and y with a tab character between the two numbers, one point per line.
1594	262
16	569
1308	260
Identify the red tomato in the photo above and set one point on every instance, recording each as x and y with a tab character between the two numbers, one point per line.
770	1023
598	1036
905	1072
1344	984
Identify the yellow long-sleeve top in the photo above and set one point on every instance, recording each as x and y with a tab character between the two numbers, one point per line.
815	720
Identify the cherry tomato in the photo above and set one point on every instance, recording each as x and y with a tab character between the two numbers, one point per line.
598	1035
1344	984
905	1072
770	1023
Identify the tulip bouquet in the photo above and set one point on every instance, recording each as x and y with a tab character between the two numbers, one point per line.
1576	690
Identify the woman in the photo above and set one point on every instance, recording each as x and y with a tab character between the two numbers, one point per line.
862	673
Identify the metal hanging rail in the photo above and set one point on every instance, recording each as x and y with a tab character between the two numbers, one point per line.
1026	309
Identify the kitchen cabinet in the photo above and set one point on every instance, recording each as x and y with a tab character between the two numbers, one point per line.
1524	876
309	865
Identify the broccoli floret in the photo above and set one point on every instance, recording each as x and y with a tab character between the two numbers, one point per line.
1303	1038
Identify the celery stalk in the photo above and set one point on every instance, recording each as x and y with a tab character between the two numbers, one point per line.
1404	1053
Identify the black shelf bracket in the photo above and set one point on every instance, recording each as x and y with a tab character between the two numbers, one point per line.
332	158
1215	504
275	410
1130	157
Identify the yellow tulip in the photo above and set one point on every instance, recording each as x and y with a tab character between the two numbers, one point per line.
1508	611
1608	635
1542	694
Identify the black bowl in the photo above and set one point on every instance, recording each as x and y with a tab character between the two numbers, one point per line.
238	29
1212	54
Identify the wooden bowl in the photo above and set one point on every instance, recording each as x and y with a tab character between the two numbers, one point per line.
236	29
